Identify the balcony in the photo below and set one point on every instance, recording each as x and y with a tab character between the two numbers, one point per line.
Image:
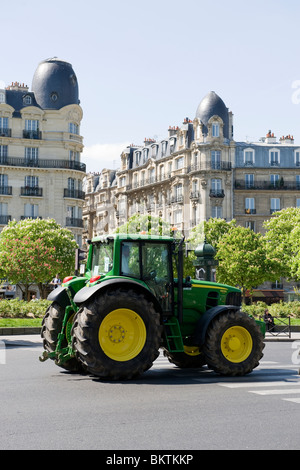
42	163
34	191
5	132
267	185
6	190
73	222
32	134
4	219
195	195
250	211
206	166
216	193
74	193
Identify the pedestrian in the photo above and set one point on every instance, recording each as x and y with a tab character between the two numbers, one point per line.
55	282
268	319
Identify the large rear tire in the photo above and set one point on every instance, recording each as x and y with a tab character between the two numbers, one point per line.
234	344
117	335
51	328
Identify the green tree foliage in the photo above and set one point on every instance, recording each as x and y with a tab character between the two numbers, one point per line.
145	223
242	259
283	242
32	251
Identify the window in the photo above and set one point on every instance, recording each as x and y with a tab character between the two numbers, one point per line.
31	155
216	212
164	149
249	157
172	145
122	181
74	156
152	175
31	210
27	100
3	208
216	188
178	192
145	155
178	216
250	224
297	158
3	123
249	181
31	181
3	181
179	163
215	130
31	125
2	97
73	128
3	153
274	180
137	158
216	159
275	204
274	157
298	202
250	205
154	150
298	182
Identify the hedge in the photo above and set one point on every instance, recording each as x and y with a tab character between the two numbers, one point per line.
16	308
278	310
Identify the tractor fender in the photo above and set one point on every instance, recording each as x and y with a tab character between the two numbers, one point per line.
60	296
87	292
205	320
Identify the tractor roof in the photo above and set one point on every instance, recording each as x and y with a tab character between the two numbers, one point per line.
132	236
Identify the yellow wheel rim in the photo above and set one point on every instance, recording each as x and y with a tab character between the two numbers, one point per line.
236	344
122	334
192	350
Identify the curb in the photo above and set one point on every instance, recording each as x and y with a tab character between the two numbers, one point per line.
26	330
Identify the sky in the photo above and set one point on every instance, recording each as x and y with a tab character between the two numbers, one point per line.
143	66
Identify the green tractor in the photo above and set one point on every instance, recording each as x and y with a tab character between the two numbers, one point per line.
133	300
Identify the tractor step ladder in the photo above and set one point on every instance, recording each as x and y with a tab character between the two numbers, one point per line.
173	335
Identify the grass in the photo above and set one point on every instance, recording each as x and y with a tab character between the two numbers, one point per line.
20	322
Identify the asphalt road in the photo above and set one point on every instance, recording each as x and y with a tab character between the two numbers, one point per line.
44	407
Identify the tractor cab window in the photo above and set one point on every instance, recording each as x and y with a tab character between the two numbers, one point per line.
102	258
130	259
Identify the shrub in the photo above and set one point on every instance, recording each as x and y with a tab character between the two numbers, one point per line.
16	308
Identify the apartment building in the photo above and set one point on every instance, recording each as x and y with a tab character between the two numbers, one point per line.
41	173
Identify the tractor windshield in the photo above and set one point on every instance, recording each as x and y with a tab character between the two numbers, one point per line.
102	258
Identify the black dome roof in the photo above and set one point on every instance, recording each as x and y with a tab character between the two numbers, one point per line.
212	105
55	84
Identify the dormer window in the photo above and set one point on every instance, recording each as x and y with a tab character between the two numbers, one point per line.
27	100
215	129
2	97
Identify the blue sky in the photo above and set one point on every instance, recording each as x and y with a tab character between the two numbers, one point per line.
145	65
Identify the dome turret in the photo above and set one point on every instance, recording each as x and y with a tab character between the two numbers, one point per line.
55	84
212	105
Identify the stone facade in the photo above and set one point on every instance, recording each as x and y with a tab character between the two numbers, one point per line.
197	172
41	173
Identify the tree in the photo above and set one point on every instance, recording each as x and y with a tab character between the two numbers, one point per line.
145	223
282	242
242	259
32	251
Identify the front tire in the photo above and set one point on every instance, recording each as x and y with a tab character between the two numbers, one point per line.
234	344
117	335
